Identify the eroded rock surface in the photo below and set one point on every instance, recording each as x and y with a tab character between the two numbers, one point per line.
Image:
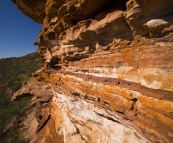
107	74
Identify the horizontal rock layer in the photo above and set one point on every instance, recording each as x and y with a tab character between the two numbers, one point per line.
107	73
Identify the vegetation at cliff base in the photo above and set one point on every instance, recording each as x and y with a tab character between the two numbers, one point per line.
14	72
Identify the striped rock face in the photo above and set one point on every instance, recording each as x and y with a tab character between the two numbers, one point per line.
107	74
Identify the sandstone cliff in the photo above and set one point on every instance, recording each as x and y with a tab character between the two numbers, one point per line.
107	74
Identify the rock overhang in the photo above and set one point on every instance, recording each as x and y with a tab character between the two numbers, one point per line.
112	55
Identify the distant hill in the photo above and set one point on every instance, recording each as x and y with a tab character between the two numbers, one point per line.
14	72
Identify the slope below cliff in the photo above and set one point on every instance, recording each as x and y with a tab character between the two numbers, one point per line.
107	74
14	72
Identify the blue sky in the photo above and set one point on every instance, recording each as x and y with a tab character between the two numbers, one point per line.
17	31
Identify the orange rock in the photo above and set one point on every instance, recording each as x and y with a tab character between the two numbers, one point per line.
107	72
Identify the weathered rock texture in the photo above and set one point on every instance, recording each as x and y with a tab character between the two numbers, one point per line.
108	71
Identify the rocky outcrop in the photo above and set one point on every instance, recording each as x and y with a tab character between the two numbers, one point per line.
107	74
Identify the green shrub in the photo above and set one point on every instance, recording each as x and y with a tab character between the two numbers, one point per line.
16	86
